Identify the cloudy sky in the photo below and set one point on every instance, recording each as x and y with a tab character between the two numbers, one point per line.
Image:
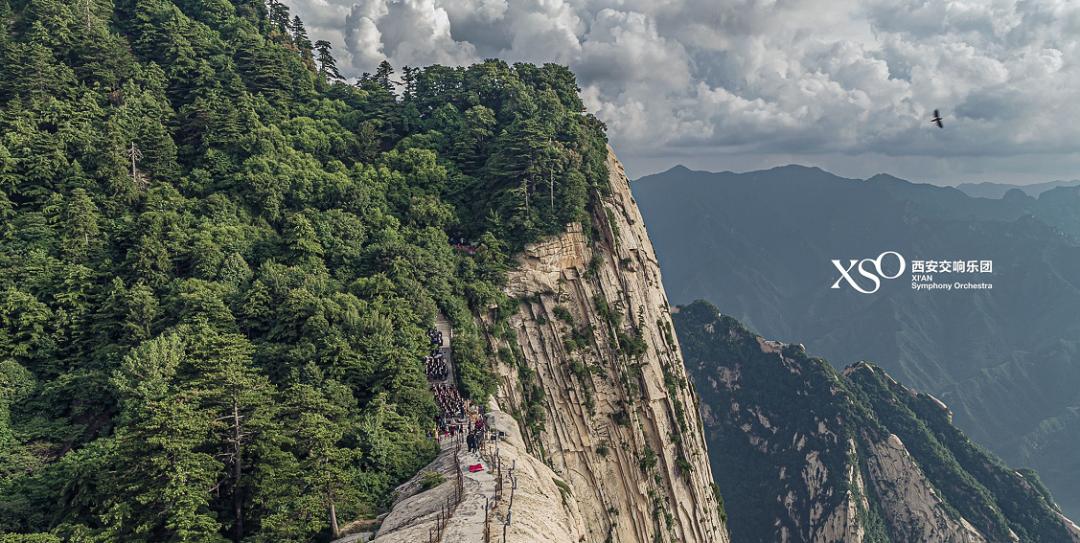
847	85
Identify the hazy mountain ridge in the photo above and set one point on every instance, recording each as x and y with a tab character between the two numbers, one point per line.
759	245
989	189
806	453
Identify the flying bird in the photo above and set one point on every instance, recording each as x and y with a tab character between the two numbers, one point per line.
937	119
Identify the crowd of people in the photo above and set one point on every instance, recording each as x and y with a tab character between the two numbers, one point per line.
436	367
469	421
477	431
435	363
457	416
449	400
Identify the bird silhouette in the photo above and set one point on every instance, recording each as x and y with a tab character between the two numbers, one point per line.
937	119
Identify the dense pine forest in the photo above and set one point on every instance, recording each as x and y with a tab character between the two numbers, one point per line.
218	259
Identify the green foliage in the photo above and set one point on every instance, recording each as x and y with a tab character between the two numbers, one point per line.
584	377
669	337
594	264
719	502
563	314
564	490
218	260
431	479
648	459
621	417
534	399
29	538
685	467
612	317
577	338
633	345
660	511
673	384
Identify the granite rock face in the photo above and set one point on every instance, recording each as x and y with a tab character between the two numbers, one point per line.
541	509
597	375
599	417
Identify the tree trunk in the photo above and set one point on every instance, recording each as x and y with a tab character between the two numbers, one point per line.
525	189
237	470
335	531
551	185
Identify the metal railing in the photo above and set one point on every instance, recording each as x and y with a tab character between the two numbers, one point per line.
447	509
493	503
510	505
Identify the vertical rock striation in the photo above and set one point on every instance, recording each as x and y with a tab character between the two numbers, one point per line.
592	368
603	424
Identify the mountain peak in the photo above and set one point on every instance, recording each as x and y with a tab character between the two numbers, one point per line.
797	168
885	178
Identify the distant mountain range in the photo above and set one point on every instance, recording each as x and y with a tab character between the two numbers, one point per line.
1007	361
987	189
805	453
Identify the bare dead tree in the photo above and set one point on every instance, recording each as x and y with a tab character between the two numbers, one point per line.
137	177
88	12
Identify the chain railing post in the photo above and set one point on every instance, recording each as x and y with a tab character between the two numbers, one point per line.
487	520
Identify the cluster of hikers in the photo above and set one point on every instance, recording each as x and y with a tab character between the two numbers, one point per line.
457	416
449	400
435	363
469	421
436	367
478	432
436	337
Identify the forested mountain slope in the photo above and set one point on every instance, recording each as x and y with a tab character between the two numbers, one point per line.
806	453
218	260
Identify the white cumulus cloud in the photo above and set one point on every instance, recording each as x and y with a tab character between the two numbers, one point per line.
846	84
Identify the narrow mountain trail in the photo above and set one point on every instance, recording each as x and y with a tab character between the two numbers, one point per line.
456	509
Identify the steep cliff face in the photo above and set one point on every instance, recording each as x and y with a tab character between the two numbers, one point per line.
596	413
591	366
810	454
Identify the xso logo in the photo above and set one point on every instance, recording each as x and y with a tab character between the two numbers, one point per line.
875	275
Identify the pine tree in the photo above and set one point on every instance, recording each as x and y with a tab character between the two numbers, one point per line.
321	426
327	64
244	410
279	17
81	230
408	82
302	42
382	76
160	462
